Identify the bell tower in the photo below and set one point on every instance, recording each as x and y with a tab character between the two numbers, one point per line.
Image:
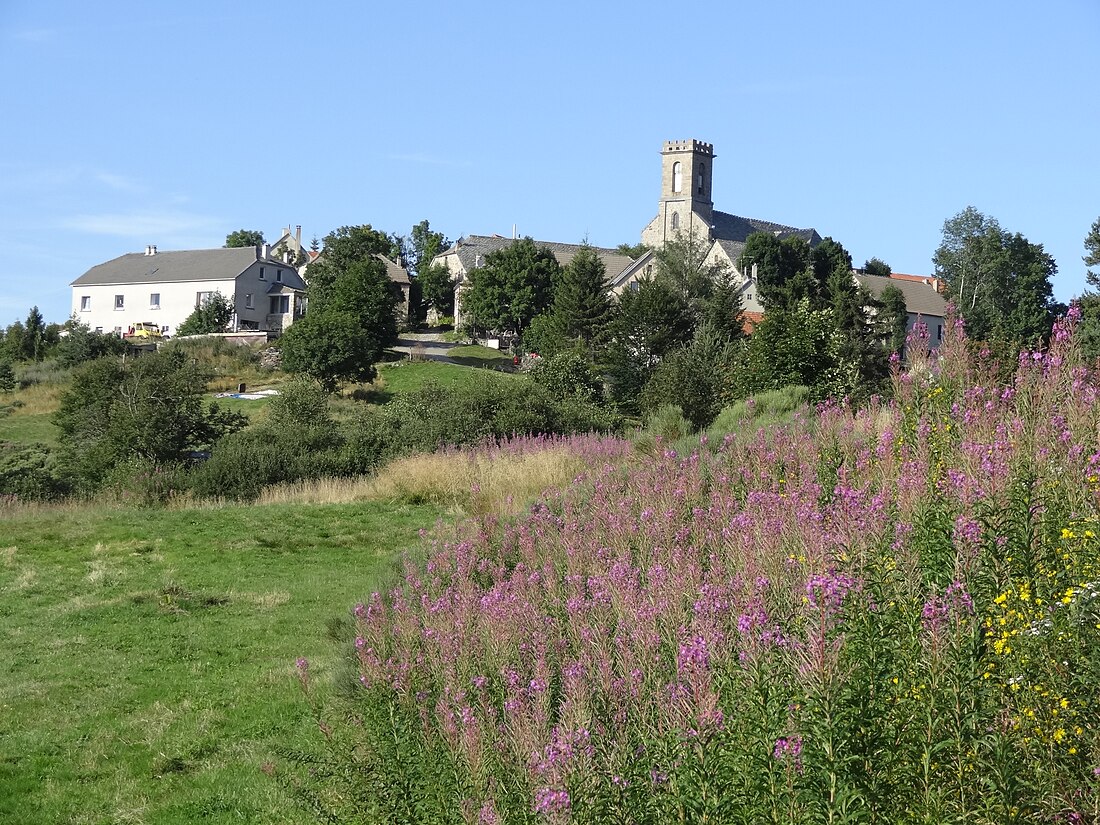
686	204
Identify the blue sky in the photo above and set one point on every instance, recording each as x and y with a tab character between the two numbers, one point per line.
135	123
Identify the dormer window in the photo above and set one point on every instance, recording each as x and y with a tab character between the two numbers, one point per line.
677	177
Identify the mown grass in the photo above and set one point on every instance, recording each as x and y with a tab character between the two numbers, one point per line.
27	429
408	376
147	675
474	355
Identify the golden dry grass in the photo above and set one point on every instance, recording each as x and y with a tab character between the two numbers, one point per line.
38	399
472	482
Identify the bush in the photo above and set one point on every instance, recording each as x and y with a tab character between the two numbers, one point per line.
150	409
568	375
135	483
890	618
30	473
762	409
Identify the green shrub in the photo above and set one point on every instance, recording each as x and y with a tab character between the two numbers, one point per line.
762	409
568	375
29	472
138	484
668	422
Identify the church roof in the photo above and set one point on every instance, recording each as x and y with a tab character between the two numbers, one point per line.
727	227
471	247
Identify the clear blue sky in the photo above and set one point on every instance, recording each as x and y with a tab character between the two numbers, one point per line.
135	123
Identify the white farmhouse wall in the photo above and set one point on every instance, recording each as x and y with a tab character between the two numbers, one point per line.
177	301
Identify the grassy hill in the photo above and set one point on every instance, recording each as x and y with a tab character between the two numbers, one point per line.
149	654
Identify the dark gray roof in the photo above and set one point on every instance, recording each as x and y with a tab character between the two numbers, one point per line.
184	265
469	248
920	298
726	227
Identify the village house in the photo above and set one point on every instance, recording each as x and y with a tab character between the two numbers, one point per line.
163	288
471	252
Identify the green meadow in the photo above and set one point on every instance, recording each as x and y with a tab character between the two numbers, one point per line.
148	663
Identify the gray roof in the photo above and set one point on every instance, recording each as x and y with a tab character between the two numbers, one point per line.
726	227
184	265
920	298
469	248
396	273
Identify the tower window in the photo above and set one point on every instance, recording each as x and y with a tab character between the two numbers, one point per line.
702	169
677	176
675	220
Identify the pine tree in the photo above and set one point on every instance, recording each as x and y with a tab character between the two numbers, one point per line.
582	305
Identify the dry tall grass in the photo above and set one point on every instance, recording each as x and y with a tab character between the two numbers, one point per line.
38	399
473	482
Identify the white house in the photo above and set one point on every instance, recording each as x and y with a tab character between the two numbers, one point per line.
165	287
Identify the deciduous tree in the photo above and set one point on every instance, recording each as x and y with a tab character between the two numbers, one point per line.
999	281
347	327
244	237
213	314
877	266
150	408
515	284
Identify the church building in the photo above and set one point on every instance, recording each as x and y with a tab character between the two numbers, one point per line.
686	206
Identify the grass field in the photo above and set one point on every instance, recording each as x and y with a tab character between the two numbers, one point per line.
147	675
474	355
25	429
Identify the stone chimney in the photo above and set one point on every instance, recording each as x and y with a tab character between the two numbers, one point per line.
263	251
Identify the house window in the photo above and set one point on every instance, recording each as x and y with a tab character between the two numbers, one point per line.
154	300
279	275
677	176
280	304
85	303
248	301
99	330
120	302
675	220
118	331
939	332
263	277
202	297
702	169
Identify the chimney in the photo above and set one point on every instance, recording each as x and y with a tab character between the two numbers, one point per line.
298	234
264	250
148	250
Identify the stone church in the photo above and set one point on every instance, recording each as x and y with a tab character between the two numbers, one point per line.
686	206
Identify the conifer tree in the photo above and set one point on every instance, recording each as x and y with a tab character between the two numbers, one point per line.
582	305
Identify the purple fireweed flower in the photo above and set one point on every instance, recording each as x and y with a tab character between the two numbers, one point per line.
829	590
302	664
549	801
789	751
488	814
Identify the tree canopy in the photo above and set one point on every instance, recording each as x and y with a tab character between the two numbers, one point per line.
1000	282
878	267
244	237
150	409
582	303
515	284
212	315
351	317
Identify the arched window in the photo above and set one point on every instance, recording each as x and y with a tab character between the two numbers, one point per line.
675	220
677	177
702	169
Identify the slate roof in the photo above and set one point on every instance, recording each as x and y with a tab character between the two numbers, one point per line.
469	248
727	227
920	298
181	266
397	273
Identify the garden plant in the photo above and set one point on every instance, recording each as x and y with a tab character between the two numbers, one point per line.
883	614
